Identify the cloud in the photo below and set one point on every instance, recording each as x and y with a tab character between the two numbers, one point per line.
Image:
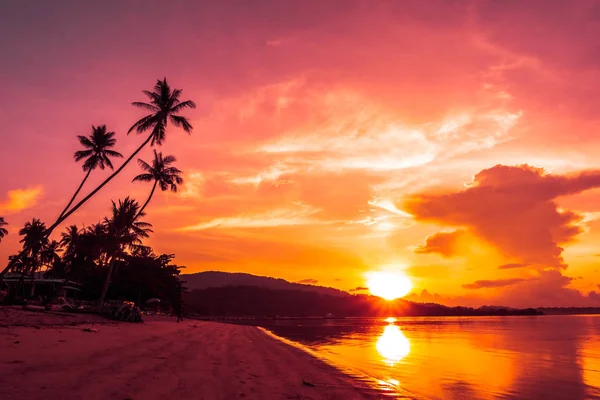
359	289
513	266
512	208
481	284
299	215
443	243
549	289
308	281
21	199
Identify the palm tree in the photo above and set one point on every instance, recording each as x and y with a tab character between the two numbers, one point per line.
34	236
70	238
123	230
97	154
165	107
34	240
159	172
3	231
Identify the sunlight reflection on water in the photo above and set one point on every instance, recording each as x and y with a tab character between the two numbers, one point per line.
540	357
392	345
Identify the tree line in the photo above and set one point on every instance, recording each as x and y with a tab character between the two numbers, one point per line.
111	249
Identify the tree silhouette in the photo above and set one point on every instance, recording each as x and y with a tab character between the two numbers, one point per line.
97	154
3	231
123	230
165	106
34	240
161	173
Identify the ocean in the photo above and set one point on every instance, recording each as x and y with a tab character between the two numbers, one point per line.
526	357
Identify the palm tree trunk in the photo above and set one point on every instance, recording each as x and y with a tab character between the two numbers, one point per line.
147	201
76	207
86	198
32	288
111	267
76	193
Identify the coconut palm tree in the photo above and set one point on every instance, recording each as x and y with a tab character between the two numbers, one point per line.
97	153
70	238
165	105
34	240
161	173
34	236
124	230
3	231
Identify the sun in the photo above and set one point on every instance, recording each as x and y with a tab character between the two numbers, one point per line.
388	285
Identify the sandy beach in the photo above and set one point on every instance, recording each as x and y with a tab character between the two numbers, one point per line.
85	357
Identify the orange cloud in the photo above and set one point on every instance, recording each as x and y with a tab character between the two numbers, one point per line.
513	266
443	243
21	199
484	283
513	209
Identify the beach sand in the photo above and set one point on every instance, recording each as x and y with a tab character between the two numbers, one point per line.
159	359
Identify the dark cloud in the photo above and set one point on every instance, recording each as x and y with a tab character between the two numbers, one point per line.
308	281
359	289
481	284
513	266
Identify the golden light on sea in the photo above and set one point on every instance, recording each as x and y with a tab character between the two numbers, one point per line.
388	285
392	345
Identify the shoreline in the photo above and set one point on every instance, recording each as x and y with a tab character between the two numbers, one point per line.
363	381
160	359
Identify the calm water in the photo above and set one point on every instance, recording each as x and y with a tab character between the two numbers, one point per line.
544	357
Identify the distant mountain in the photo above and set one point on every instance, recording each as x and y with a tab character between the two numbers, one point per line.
216	279
262	302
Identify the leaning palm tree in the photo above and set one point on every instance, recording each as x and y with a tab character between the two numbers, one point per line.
3	231
97	152
123	230
161	173
165	105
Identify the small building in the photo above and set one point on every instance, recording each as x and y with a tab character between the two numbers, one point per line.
18	286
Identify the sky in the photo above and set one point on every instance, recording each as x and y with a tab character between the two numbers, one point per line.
454	141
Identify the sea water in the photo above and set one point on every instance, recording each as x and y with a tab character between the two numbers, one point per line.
529	357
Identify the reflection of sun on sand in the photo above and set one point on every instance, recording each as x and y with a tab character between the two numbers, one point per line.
392	345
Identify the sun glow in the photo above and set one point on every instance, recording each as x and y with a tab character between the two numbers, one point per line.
388	285
392	345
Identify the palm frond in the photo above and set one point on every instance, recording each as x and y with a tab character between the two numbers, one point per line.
181	122
169	159
81	154
85	142
113	153
158	135
146	106
143	178
142	124
144	165
154	97
183	105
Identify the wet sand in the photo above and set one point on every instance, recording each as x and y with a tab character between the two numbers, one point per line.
161	359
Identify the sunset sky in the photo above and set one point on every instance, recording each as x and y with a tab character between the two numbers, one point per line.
457	141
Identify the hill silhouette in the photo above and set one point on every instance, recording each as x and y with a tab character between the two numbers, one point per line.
261	302
212	279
